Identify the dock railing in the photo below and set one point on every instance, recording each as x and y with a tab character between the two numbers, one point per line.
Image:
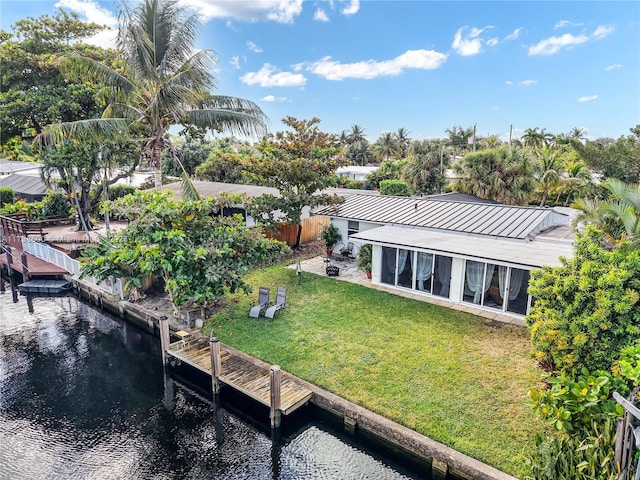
49	254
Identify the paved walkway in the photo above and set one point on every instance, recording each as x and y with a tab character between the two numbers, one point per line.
349	273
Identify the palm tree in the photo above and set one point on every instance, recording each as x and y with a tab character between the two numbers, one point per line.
356	135
576	179
534	138
386	146
424	169
403	140
547	172
164	81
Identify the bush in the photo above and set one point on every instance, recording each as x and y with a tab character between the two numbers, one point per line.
55	205
7	196
586	310
120	190
394	187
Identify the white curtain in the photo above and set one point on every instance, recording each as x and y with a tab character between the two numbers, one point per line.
517	275
475	279
423	268
402	260
390	254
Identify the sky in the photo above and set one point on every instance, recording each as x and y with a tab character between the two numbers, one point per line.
420	65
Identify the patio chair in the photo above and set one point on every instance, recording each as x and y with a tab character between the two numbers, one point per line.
261	304
347	251
281	300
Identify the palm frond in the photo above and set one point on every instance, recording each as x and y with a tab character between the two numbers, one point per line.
80	130
79	68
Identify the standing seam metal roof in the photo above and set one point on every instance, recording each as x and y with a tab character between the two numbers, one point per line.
478	218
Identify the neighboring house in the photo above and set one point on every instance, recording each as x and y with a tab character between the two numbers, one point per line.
355	172
479	254
27	187
9	167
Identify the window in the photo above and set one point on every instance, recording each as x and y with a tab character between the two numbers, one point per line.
353	227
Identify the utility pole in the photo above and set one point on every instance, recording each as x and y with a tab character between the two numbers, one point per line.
474	137
510	135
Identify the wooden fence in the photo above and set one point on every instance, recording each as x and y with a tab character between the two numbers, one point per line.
311	228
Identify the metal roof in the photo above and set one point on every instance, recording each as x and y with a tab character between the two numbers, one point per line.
12	166
535	253
211	189
477	218
24	184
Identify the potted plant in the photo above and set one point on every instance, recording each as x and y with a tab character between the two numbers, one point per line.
364	258
329	236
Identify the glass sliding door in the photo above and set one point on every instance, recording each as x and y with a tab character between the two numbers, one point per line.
405	268
424	272
518	296
388	267
442	276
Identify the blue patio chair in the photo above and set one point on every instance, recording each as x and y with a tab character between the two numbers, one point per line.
281	300
261	304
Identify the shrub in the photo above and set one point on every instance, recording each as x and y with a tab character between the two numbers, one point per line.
586	310
394	187
7	196
120	190
55	204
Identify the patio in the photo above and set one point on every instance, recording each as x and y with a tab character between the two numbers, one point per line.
349	273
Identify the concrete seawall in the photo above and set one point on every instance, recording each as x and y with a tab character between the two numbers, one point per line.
444	460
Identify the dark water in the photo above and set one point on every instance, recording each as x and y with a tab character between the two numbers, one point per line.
83	395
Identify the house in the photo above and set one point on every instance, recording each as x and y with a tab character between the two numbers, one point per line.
462	252
27	187
355	172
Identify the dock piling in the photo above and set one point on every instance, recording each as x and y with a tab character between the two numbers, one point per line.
164	337
275	381
25	267
214	345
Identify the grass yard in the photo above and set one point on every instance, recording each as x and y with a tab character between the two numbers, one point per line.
450	375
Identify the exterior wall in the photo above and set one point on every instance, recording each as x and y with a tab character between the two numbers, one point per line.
343	227
376	262
457	280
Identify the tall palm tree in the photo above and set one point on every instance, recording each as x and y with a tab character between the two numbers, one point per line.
386	146
534	138
404	141
356	134
547	172
164	81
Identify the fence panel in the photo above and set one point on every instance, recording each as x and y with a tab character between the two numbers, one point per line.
311	228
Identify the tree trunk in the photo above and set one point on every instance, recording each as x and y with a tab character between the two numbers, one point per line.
297	245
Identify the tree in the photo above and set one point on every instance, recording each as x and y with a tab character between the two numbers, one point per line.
460	139
226	166
386	146
389	170
404	141
191	153
84	169
536	138
424	169
300	164
196	251
496	174
547	172
33	92
613	158
164	82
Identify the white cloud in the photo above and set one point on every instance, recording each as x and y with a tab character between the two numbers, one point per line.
416	59
514	35
266	77
235	61
552	45
588	98
271	98
282	11
91	11
612	67
603	31
320	15
522	83
467	44
253	47
493	41
566	23
352	8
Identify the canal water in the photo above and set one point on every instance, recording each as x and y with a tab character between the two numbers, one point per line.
84	395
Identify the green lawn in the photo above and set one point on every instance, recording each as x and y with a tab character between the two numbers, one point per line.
450	375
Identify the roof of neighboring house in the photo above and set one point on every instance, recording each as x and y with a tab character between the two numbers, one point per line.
534	253
367	169
24	184
211	189
459	197
13	166
465	217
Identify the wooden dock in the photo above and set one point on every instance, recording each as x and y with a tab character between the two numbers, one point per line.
35	266
243	373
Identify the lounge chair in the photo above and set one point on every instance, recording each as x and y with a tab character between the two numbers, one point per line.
263	302
281	300
347	251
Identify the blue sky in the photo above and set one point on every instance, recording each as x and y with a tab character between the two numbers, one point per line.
424	66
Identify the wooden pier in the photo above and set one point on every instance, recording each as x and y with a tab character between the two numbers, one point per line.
265	384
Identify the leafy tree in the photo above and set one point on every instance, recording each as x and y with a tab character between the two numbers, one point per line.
424	169
164	82
389	170
7	196
226	165
197	252
613	158
459	138
496	174
300	164
33	91
191	153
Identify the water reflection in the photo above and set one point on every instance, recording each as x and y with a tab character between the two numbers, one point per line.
84	395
